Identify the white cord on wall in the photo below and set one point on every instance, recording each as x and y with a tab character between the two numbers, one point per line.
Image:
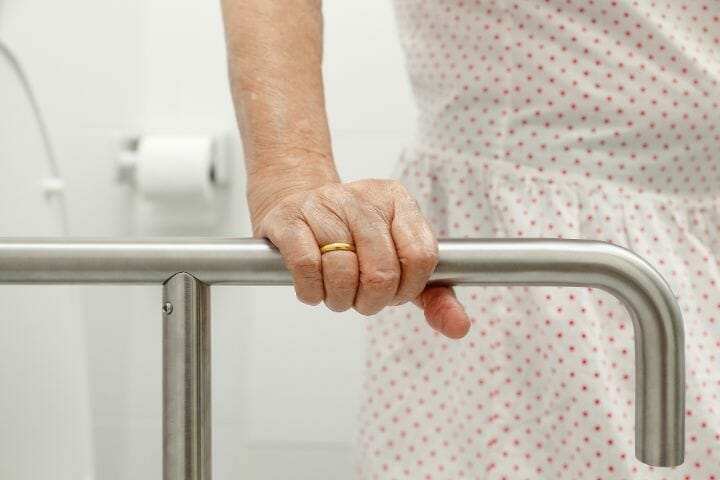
53	186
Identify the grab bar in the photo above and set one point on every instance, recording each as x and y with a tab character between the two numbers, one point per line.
187	267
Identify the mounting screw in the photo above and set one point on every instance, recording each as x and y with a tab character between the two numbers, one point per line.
167	308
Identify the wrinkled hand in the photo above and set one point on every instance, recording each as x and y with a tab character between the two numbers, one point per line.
396	250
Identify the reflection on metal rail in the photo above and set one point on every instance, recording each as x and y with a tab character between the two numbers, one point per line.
187	266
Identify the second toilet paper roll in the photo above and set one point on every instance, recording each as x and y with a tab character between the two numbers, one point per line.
175	168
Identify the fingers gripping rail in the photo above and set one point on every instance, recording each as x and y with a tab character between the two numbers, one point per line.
186	268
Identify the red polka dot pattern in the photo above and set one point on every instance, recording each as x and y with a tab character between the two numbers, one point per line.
564	119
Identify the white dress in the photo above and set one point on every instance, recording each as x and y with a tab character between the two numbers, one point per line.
567	119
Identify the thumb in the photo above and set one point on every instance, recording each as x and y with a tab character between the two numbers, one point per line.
443	311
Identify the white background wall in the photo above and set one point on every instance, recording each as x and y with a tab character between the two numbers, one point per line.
286	376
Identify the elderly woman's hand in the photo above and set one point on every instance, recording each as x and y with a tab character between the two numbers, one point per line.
396	250
295	195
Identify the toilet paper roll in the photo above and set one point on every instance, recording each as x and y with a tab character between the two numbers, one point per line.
175	168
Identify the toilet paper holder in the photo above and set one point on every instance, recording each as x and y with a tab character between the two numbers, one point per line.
127	154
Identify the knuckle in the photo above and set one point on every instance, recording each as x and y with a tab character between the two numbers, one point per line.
280	223
424	258
306	267
268	224
379	280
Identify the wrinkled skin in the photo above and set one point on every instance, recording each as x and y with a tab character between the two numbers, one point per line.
295	195
396	251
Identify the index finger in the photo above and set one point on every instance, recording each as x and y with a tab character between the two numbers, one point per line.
301	254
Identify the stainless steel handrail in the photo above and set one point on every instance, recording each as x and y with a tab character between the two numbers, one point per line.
657	320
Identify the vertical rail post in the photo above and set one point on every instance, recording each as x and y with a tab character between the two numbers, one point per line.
186	379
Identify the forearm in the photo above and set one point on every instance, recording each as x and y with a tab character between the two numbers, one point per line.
275	68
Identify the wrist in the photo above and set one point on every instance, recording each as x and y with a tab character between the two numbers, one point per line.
271	183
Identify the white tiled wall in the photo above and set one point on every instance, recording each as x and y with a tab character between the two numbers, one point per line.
286	376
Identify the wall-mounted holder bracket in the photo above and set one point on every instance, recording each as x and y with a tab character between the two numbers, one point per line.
127	156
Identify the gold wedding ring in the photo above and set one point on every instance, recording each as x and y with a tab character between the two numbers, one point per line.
331	247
